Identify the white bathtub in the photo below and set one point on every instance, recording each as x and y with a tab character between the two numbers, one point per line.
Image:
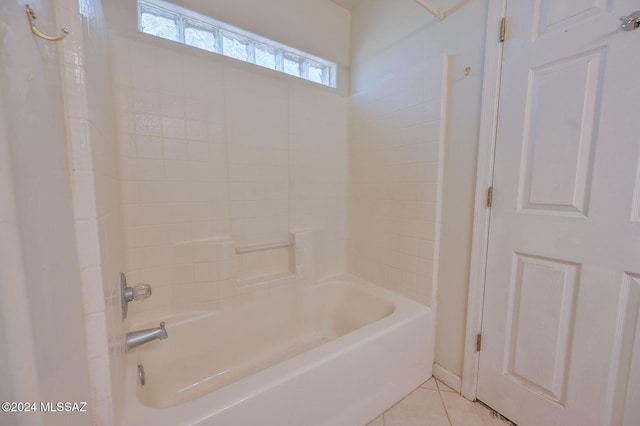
336	353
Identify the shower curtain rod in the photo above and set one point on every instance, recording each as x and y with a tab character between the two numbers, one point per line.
439	14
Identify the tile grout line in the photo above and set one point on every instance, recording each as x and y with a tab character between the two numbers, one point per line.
443	404
390	408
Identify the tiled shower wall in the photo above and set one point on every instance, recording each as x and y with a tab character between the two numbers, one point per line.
212	148
394	177
319	163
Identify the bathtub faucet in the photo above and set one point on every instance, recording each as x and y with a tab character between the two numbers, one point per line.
140	337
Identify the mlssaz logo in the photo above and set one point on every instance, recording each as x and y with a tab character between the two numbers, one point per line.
67	407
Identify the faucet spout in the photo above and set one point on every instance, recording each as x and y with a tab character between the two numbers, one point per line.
140	337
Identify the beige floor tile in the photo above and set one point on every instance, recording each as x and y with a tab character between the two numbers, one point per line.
463	412
421	407
378	421
444	388
429	384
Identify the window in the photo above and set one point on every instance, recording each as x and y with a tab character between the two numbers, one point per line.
166	20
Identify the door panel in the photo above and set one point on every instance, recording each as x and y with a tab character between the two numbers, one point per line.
554	15
557	174
561	339
625	388
540	315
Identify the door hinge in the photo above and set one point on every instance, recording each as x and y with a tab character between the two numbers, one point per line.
478	342
503	29
490	196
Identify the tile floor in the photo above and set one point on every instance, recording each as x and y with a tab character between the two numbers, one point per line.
436	404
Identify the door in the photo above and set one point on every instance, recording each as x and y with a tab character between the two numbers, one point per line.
560	334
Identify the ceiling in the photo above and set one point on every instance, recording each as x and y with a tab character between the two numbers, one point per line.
347	4
437	4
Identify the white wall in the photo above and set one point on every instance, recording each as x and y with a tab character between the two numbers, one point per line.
43	282
467	48
318	174
318	27
388	36
214	148
394	177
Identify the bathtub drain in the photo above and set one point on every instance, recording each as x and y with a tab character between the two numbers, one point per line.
141	375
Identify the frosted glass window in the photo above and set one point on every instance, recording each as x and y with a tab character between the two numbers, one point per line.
291	64
318	73
160	25
200	37
235	46
161	18
266	56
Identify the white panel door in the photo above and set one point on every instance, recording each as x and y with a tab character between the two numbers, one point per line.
561	338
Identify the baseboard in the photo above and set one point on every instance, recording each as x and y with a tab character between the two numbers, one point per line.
447	377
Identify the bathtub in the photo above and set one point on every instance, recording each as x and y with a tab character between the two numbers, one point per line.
336	353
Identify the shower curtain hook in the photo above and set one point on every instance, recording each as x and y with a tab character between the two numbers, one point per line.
31	16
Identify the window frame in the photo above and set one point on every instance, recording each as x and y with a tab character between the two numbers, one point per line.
186	18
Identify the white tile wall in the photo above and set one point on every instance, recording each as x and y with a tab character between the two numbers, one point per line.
257	124
173	156
395	143
211	148
319	174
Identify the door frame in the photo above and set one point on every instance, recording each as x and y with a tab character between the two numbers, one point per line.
484	179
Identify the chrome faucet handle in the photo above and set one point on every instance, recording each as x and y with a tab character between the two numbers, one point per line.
128	294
